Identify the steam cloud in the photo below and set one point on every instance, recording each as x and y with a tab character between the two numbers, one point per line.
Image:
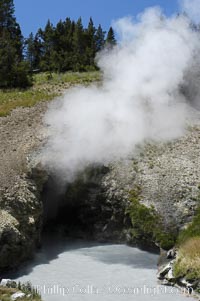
191	8
138	100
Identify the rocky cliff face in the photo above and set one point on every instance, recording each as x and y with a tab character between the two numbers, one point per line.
20	223
20	205
167	175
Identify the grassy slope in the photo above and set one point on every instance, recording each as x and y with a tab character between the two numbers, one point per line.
44	88
188	261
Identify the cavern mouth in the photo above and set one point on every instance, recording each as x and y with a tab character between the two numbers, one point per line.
86	209
64	210
76	207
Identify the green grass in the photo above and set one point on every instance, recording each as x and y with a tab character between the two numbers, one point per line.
188	243
12	99
45	88
188	261
68	77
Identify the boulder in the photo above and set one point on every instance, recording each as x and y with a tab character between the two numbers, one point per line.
17	295
171	254
4	282
164	271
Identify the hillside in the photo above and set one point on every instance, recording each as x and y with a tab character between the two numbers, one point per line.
125	201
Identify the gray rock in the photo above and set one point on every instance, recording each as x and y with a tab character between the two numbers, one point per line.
8	283
165	282
185	283
17	295
169	276
4	282
164	271
171	254
20	223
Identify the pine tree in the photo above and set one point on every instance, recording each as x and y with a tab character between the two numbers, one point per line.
90	47
13	70
6	14
38	50
100	38
69	53
63	45
110	40
67	46
91	30
47	36
30	50
33	52
78	46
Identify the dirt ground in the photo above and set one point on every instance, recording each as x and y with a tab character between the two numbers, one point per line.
20	133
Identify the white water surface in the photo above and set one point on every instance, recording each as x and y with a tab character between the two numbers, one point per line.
86	271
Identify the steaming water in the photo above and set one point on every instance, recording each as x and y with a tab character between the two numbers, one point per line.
87	271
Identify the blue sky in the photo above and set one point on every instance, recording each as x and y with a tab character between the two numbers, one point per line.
32	14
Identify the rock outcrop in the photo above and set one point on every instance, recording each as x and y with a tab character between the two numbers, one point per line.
20	223
168	176
21	133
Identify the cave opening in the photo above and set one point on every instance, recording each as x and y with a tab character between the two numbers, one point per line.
76	209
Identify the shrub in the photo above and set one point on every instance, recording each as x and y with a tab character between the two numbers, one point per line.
147	226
